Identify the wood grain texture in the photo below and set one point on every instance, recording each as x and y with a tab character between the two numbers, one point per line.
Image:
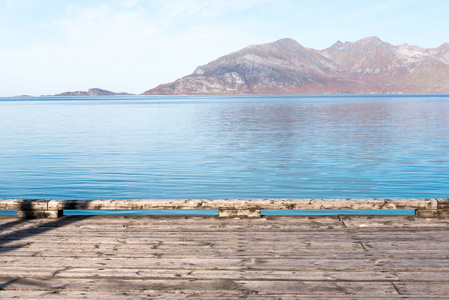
231	204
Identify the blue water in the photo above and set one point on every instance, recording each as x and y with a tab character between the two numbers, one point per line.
224	147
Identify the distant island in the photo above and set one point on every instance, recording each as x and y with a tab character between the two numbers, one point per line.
90	92
367	66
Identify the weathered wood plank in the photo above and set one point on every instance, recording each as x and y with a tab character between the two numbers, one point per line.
225	286
24	204
178	222
321	275
415	245
220	253
423	288
290	203
75	295
150	242
249	244
229	264
187	223
289	236
392	221
405	203
233	204
269	226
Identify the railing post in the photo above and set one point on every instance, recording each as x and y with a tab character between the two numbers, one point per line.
441	211
32	214
239	213
30	209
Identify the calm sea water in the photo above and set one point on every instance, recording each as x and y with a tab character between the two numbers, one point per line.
224	147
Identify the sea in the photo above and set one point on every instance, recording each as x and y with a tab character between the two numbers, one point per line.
219	147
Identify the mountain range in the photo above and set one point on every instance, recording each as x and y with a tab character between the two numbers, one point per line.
366	66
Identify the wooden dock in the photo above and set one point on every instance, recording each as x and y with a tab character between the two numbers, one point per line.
208	257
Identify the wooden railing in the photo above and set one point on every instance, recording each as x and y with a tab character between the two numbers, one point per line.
41	208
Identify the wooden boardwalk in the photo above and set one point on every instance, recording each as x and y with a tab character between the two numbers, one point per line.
186	257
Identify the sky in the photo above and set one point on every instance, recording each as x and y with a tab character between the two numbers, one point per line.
53	46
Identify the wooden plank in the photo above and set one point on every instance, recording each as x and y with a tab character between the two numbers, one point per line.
173	233
225	286
320	275
211	236
415	245
248	244
106	295
287	236
219	253
196	233
75	295
214	232
432	241
24	204
188	229
178	222
182	223
235	204
229	264
410	203
423	288
243	242
393	221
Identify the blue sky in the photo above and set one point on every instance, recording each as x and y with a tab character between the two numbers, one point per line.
52	46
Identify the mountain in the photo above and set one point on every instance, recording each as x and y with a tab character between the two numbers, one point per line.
91	92
366	66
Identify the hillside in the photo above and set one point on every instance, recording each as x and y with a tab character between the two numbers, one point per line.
366	66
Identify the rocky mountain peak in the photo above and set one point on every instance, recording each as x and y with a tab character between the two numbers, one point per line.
369	65
442	52
444	46
287	44
363	45
336	46
372	40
